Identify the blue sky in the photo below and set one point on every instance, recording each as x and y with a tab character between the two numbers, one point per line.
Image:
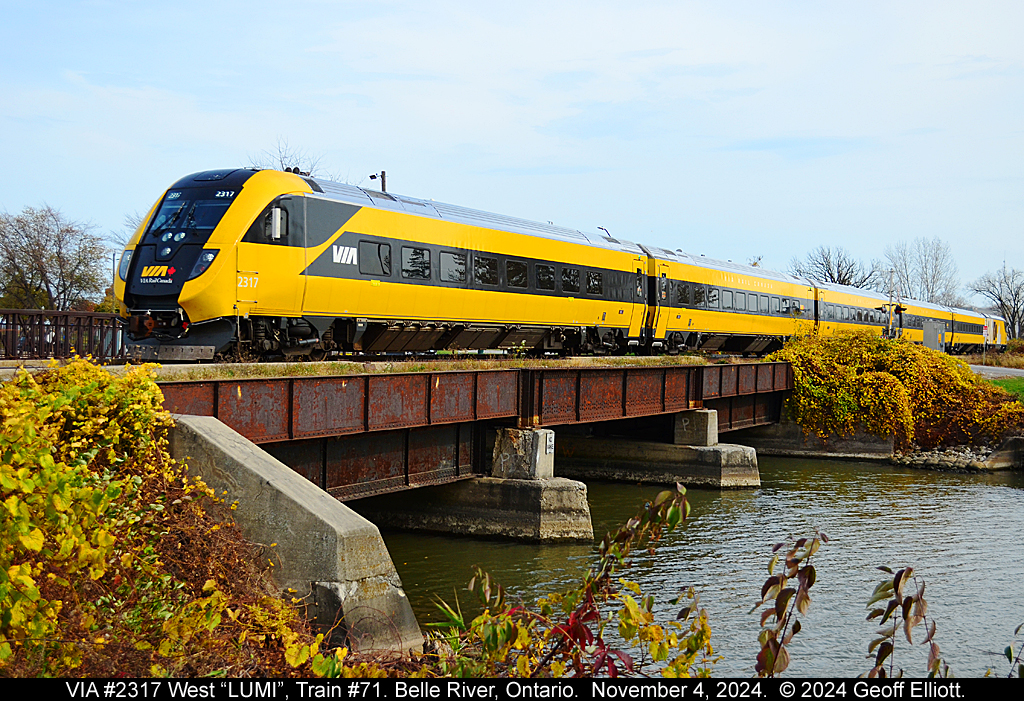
732	129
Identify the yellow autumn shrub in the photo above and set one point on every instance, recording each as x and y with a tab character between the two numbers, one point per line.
112	561
893	387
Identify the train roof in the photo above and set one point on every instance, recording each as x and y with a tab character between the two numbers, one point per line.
463	215
475	217
352	194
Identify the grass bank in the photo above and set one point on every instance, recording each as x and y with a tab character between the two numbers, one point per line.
1013	385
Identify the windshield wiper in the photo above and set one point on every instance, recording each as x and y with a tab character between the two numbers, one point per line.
170	221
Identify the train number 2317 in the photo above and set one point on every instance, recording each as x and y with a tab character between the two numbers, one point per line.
245	281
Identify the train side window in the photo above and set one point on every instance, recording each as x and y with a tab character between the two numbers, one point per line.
415	263
713	297
595	283
699	295
683	294
639	283
776	307
485	270
375	258
741	301
545	277
663	286
726	299
453	267
570	280
515	273
764	304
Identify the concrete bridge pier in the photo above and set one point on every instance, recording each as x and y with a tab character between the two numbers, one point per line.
694	458
522	499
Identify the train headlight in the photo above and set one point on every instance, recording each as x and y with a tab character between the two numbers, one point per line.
204	262
122	267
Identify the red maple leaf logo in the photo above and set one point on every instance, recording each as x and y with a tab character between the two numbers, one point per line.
170	271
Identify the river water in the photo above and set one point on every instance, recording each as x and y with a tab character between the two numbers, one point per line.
962	533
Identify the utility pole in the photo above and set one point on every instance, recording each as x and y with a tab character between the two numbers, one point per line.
383	180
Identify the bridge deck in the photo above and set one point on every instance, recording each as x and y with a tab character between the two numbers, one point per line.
367	434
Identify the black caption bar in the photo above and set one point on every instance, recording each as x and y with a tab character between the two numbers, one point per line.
517	689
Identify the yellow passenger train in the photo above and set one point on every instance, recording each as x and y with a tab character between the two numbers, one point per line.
268	263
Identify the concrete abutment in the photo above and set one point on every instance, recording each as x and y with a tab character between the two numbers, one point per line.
327	555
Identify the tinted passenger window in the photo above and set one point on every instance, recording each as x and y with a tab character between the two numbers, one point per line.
485	270
545	277
776	308
713	297
515	273
595	284
416	263
699	295
683	294
764	304
570	280
741	301
453	267
726	299
375	258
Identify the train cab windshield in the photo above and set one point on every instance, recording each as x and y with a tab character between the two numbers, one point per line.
190	212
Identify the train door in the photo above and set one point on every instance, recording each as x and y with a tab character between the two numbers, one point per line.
270	259
822	323
657	304
638	309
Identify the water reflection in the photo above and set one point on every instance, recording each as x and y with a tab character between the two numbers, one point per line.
961	532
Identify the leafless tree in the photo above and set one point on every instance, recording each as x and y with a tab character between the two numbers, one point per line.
285	156
834	265
1005	289
924	269
49	261
132	221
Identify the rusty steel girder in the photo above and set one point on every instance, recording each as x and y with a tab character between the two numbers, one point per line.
361	435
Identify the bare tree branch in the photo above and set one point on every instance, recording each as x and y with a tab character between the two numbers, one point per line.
1005	289
285	156
924	269
834	265
121	237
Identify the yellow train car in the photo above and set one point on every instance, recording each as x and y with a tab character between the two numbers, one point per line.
284	264
255	263
714	305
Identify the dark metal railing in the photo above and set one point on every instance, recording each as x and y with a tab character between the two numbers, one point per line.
35	334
